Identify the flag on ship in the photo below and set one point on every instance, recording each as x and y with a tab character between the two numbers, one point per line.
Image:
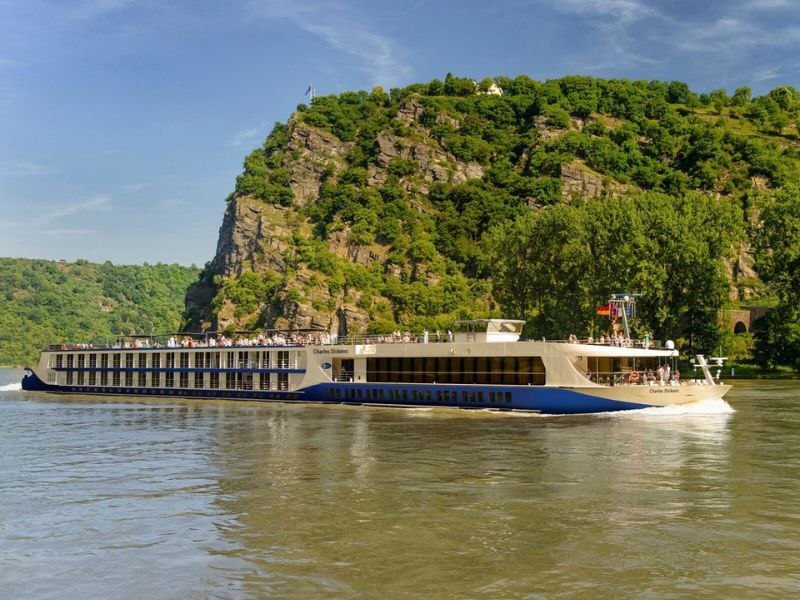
604	310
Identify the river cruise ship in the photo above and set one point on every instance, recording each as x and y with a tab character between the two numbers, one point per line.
483	365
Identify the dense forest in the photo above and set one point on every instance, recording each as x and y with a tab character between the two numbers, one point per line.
44	302
527	199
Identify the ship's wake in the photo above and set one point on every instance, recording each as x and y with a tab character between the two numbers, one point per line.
713	406
11	387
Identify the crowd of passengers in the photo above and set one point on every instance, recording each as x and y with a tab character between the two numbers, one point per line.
663	375
614	339
277	339
325	338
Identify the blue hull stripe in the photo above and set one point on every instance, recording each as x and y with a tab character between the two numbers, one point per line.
546	400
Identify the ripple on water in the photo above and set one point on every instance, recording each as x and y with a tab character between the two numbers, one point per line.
210	499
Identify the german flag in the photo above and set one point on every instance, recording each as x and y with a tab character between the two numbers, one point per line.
604	311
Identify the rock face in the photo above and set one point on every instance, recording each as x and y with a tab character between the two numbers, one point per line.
316	151
251	232
579	181
432	161
256	236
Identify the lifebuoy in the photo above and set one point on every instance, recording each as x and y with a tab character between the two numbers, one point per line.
633	377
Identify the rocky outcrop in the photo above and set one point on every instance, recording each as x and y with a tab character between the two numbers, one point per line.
315	153
433	162
579	181
253	234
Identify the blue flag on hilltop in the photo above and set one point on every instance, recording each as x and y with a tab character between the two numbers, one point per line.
308	91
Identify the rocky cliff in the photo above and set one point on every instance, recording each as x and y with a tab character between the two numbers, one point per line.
368	210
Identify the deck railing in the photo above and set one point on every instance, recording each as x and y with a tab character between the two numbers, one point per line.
350	340
636	378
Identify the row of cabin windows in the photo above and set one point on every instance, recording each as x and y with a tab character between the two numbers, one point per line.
280	359
509	370
233	381
413	395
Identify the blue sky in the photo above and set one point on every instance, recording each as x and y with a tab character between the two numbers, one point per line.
123	123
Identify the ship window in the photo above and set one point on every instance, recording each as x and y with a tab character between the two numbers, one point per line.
80	377
170	360
116	361
230	381
170	379
155	379
338	392
263	381
93	361
199	360
184	360
283	381
198	380
92	378
129	360
104	361
81	361
508	397
214	381
115	378
69	377
184	379
142	379
129	378
142	360
59	361
155	359
283	359
104	377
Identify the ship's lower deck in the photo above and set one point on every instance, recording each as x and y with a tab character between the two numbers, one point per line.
541	399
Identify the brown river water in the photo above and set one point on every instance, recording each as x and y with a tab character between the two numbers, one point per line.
132	498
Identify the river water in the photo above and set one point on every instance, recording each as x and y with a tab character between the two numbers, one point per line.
123	498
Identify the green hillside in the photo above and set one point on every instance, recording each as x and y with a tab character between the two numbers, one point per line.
44	302
518	197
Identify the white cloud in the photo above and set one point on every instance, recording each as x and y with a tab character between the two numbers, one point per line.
246	138
99	202
133	187
11	63
91	9
24	169
625	11
342	28
767	74
66	232
172	203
